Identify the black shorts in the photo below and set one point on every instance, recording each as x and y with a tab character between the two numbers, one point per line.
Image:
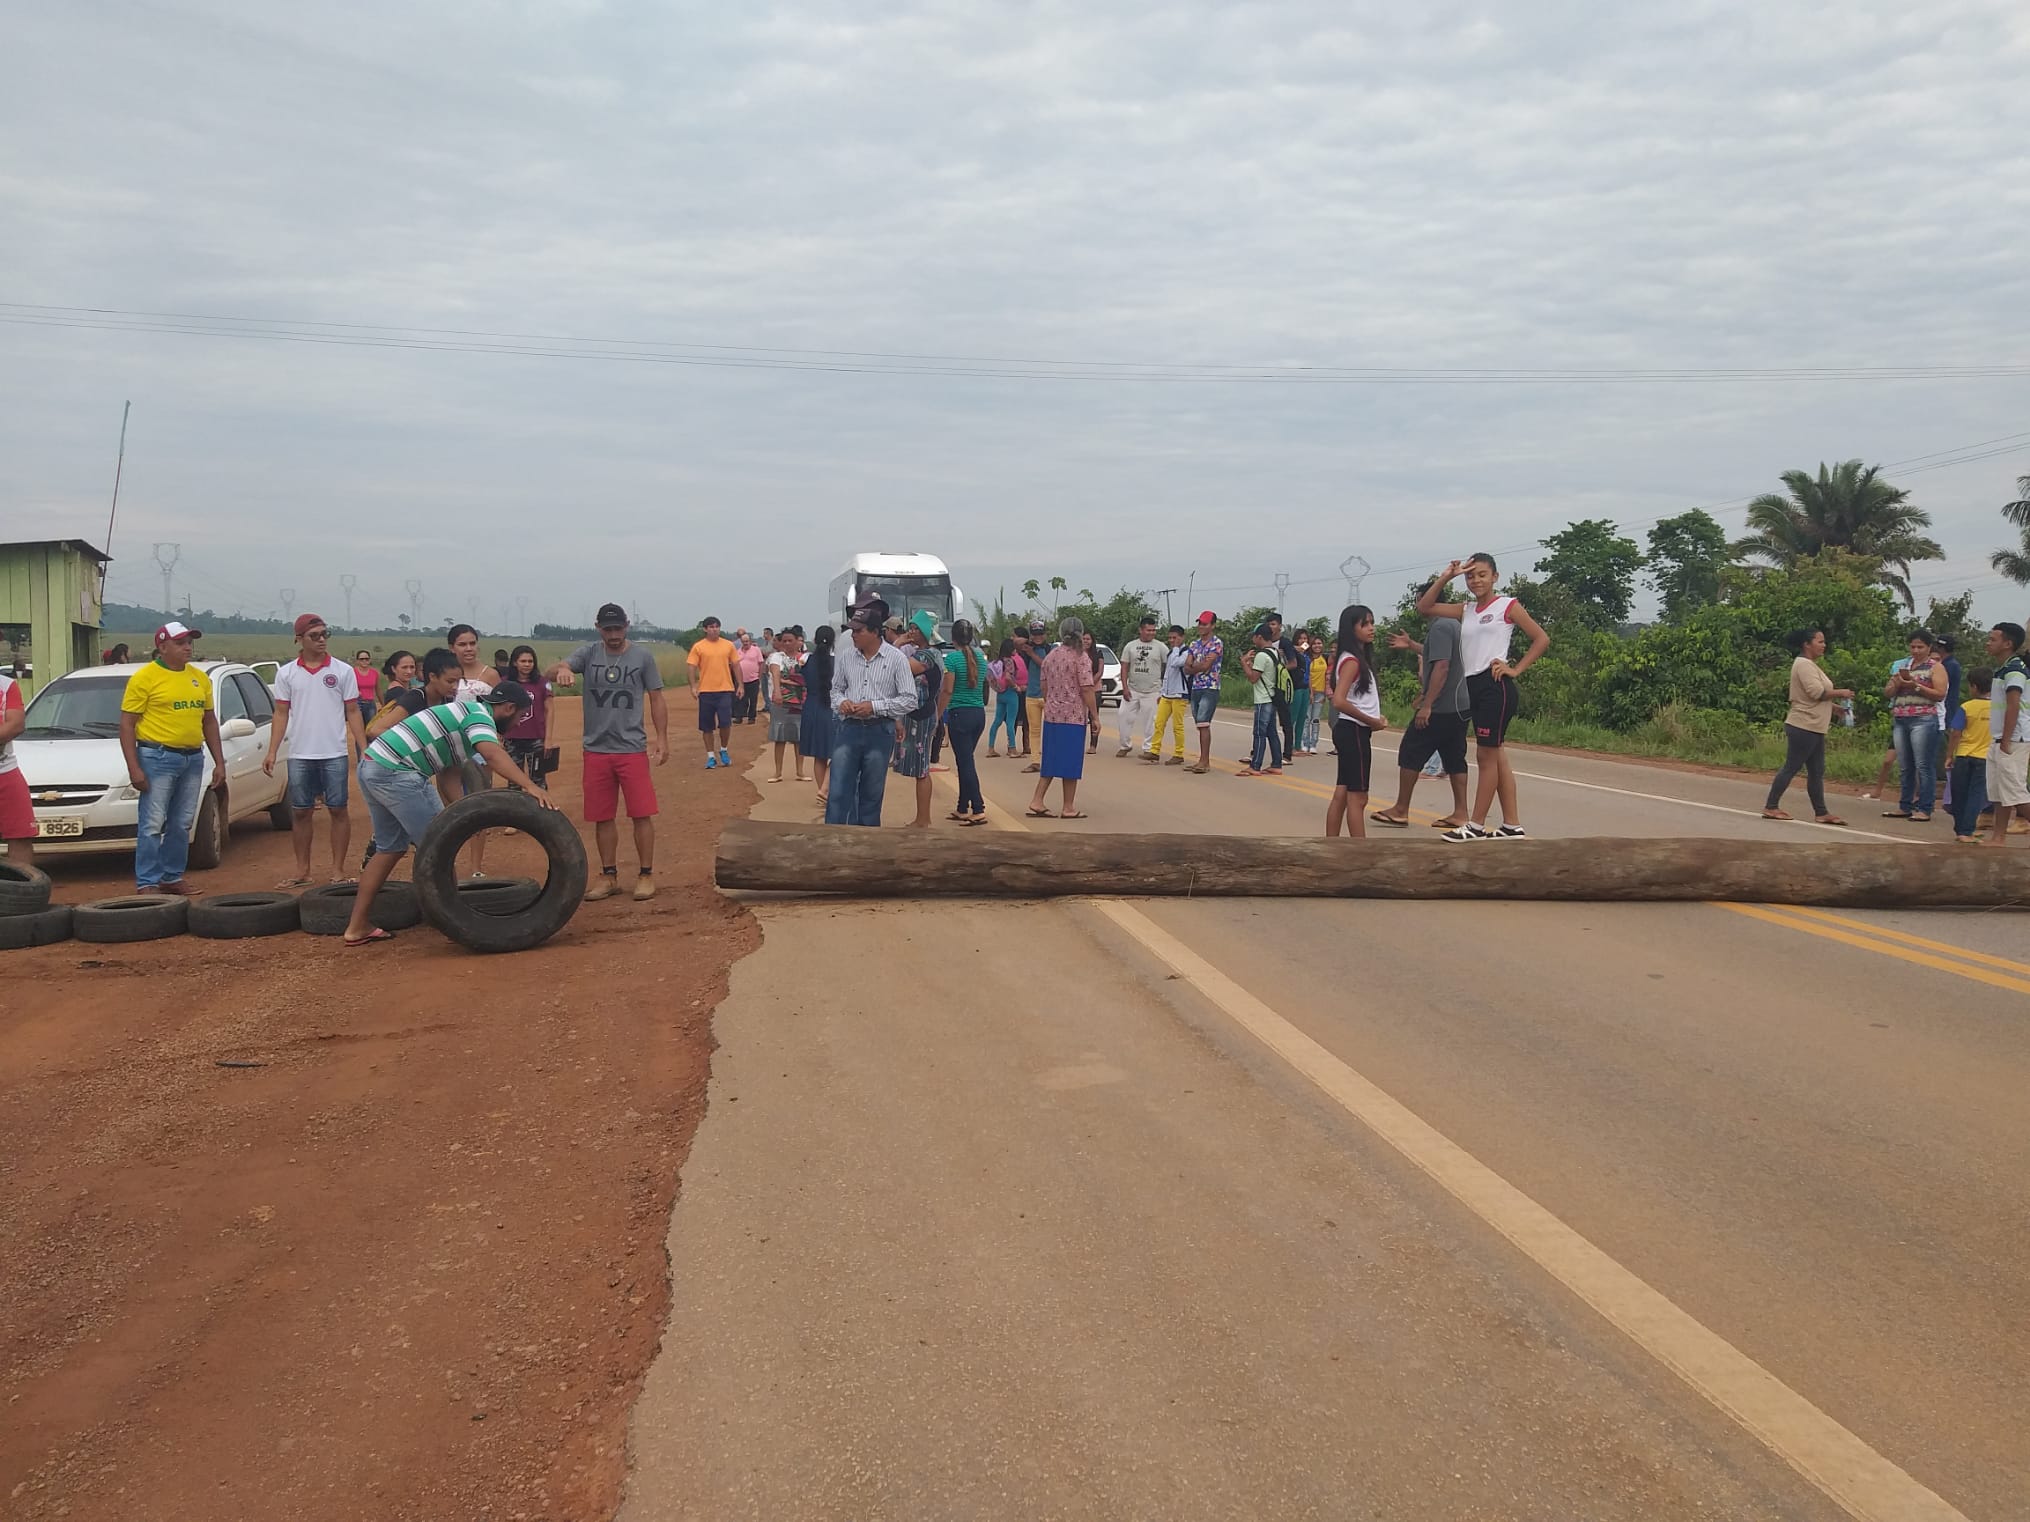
1444	737
1356	754
1494	704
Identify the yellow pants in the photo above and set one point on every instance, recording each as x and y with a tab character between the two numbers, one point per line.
1169	711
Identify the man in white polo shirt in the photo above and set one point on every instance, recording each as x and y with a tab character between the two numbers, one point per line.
317	708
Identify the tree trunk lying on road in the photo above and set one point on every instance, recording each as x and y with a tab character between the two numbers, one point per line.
799	858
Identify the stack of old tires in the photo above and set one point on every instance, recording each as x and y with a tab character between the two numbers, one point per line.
484	914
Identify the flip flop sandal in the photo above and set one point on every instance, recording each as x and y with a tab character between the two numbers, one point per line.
961	818
295	882
1831	819
1388	819
1775	814
1039	813
1894	814
1080	814
371	938
1447	823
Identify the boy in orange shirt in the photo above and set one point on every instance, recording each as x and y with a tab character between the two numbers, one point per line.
715	677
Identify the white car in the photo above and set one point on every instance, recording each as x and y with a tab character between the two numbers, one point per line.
1110	677
77	778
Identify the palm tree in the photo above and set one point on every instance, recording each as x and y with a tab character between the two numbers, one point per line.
2015	564
1849	507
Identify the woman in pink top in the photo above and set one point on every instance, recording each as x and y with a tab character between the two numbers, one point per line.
369	676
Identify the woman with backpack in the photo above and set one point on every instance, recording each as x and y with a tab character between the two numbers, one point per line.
933	690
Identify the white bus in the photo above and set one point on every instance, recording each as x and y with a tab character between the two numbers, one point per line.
908	583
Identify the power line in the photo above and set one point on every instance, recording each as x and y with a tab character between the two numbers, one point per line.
871	362
1941	459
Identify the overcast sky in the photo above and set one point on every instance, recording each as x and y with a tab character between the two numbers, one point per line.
1332	184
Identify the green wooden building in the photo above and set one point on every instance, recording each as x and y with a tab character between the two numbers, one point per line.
51	593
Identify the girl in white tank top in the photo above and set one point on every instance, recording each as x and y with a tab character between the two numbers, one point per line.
1368	703
1484	634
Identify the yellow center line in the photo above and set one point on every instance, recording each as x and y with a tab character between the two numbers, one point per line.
1943	948
1872	941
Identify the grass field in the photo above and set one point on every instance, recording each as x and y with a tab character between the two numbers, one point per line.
278	647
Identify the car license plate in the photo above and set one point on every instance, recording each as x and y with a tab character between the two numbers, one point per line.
58	829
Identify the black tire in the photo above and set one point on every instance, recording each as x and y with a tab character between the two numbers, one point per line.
20	931
500	895
241	916
326	910
23	890
281	816
454	913
145	918
208	845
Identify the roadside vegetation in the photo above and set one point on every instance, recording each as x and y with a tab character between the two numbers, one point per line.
1708	680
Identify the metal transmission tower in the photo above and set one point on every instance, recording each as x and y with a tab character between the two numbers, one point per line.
472	610
415	590
167	564
1354	577
1282	586
288	596
346	582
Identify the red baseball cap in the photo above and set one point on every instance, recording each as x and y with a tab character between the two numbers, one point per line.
306	621
175	630
1208	617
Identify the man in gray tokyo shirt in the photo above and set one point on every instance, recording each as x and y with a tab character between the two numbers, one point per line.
1141	681
621	680
1439	726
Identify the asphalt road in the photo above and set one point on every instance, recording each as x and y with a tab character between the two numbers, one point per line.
1294	1208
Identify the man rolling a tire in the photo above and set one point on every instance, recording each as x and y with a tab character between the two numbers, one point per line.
396	773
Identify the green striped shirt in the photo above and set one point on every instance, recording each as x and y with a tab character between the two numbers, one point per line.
437	739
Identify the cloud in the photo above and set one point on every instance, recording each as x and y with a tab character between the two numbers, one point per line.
1280	183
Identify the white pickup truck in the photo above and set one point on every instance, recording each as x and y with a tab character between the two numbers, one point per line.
77	779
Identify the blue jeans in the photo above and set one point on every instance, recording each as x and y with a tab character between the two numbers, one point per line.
1969	793
312	780
860	754
400	803
166	812
964	726
1916	740
1008	711
1266	729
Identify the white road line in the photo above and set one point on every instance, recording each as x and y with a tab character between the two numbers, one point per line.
1689	803
1857	1478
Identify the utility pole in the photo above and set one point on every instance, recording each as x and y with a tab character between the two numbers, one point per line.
346	582
288	596
119	465
1164	593
167	564
472	610
415	590
1189	582
1354	577
1282	586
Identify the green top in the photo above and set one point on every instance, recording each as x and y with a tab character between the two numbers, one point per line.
437	739
1262	672
962	695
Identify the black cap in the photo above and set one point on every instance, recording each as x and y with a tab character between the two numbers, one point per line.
610	616
511	692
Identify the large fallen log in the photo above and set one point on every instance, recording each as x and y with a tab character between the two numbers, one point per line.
797	858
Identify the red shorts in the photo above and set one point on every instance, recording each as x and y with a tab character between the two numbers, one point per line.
17	814
608	777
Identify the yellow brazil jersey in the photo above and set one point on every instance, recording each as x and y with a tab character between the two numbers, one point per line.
172	704
1973	740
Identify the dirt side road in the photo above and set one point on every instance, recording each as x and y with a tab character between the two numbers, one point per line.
409	1267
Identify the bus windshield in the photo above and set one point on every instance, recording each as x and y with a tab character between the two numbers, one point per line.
907	596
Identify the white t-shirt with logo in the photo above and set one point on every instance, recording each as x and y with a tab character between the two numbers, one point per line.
318	703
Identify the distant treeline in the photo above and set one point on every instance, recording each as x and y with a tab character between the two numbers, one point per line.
123	615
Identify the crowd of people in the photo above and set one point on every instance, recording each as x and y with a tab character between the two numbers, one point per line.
418	732
1975	718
